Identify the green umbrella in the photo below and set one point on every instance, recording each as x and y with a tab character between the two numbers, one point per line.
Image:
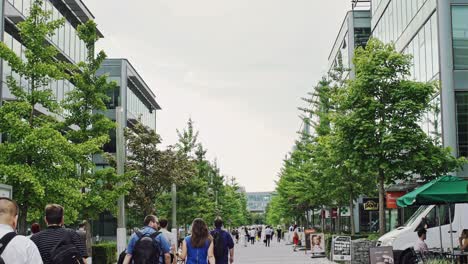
443	190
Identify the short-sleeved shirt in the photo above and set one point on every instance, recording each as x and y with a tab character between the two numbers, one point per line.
420	246
46	240
146	231
20	250
228	244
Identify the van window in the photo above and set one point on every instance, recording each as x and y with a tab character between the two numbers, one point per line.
431	220
416	214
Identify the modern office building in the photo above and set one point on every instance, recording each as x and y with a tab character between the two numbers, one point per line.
435	33
133	97
258	201
66	40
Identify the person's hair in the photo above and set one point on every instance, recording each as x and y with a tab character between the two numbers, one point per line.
149	219
81	225
218	222
163	223
8	207
199	233
421	232
35	228
54	214
465	232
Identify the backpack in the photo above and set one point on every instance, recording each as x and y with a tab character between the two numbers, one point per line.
65	252
218	241
4	243
122	256
147	249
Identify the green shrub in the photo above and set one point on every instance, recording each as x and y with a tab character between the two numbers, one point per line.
104	253
373	237
438	261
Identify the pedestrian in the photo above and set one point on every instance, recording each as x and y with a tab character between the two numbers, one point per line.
246	236
14	249
253	235
198	248
147	245
58	244
268	234
223	244
295	237
35	228
420	245
83	233
278	234
169	237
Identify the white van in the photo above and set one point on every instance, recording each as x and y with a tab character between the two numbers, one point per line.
404	237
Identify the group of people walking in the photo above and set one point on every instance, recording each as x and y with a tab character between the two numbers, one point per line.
152	244
254	233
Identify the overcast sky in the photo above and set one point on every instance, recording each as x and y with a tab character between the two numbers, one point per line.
238	68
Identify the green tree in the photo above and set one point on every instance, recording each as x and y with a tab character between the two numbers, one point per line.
381	109
84	106
36	159
153	170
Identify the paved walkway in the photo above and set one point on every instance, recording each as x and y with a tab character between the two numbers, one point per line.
278	253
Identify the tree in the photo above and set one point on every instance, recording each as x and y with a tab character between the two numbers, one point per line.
153	170
84	106
36	159
381	109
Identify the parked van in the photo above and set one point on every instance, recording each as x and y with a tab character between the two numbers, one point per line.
403	238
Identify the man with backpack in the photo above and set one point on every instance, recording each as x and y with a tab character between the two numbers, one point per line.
148	245
59	245
14	249
223	244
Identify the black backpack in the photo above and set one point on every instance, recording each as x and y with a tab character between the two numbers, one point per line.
147	249
218	241
65	252
122	256
4	243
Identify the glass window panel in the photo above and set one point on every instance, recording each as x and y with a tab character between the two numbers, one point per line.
435	44
460	36
422	55
72	43
416	57
461	99
427	36
19	5
67	38
61	38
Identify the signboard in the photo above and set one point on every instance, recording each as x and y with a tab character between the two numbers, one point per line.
334	213
317	245
392	197
341	248
344	211
307	234
6	191
370	204
381	255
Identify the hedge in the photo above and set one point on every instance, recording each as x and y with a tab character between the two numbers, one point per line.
104	253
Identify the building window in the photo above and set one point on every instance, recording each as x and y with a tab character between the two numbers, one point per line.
461	100
460	36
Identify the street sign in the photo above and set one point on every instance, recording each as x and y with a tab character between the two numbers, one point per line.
6	191
381	255
341	248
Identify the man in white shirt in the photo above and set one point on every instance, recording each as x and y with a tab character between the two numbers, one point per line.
169	237
420	245
20	249
268	233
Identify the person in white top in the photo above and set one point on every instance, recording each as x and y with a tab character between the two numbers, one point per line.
20	249
268	233
169	237
253	235
420	245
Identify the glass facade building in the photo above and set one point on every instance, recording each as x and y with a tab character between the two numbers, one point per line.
435	33
132	95
258	201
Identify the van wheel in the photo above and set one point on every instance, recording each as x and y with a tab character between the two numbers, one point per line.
408	258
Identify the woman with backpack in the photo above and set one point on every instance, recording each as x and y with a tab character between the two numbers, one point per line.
198	247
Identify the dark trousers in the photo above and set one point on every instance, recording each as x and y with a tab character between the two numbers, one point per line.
252	240
267	240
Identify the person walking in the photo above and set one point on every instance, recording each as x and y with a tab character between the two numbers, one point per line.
246	236
295	237
58	244
147	245
84	237
169	237
278	234
198	248
35	228
253	235
268	234
223	244
14	249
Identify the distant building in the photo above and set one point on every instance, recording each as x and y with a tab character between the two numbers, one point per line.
258	201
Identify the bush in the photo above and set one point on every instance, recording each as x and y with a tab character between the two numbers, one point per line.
104	253
438	261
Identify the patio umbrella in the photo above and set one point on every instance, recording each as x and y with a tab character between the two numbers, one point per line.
443	190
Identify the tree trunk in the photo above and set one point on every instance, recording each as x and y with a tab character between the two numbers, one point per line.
22	219
382	223
89	238
351	214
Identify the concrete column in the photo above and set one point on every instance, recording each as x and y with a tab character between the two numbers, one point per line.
449	125
120	157
2	30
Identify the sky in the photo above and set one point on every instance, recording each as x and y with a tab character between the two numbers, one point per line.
238	68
